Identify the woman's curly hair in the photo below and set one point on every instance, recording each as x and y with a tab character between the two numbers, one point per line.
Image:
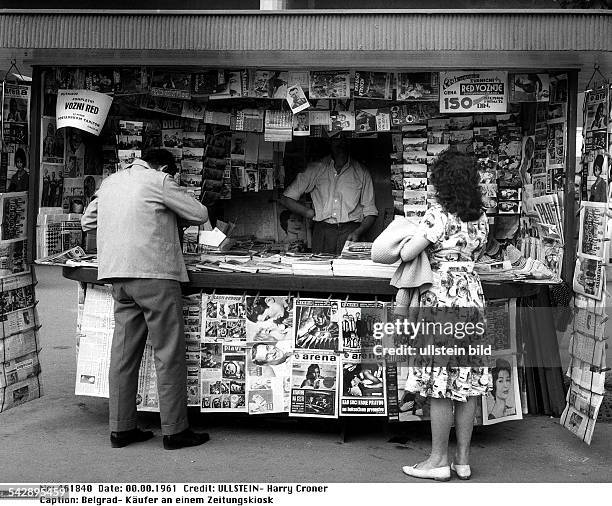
455	179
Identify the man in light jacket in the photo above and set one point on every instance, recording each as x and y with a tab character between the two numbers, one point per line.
135	214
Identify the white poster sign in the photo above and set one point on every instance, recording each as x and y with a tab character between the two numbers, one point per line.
82	109
473	91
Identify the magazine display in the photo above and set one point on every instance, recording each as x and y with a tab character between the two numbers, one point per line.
317	324
329	84
269	369
363	384
223	374
314	384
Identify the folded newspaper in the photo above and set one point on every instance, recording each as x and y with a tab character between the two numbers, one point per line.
73	254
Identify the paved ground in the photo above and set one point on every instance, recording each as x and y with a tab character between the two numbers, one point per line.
61	437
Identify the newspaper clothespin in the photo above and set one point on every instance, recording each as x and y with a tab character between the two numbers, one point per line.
347	298
329	298
297	298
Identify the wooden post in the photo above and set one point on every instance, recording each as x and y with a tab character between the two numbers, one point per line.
34	160
569	257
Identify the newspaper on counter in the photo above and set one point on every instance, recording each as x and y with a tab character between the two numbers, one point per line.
363	384
75	254
314	384
317	324
592	230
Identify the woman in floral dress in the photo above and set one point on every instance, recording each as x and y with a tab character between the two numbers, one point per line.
453	233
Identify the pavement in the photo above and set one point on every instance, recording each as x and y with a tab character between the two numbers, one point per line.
64	438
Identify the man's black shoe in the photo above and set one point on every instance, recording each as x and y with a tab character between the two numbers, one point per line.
126	437
185	439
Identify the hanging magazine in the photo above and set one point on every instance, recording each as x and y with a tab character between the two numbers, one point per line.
592	230
589	277
317	324
373	85
363	387
329	84
223	375
314	384
268	377
417	86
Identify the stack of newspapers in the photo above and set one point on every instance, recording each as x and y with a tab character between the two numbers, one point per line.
19	343
355	260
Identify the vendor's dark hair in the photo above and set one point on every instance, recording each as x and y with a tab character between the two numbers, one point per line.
598	162
500	365
20	155
159	157
283	217
455	178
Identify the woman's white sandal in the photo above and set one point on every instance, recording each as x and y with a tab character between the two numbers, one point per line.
463	471
437	473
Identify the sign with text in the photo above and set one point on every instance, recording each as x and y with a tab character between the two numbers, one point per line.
82	109
473	91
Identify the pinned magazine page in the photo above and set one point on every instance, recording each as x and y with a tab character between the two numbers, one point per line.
296	98
278	126
193	109
268	377
342	121
330	84
596	109
373	85
314	384
268	84
206	83
358	321
417	86
501	326
317	324
53	141
589	277
372	120
13	216
301	124
269	319
592	230
363	384
319	118
223	378
503	403
529	87
171	84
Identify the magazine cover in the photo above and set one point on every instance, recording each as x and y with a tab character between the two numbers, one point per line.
589	277
171	84
269	318
529	87
592	230
363	386
268	377
372	120
503	402
596	109
359	319
223	318
329	84
223	376
301	124
402	405
268	84
314	384
417	86
317	324
296	99
373	85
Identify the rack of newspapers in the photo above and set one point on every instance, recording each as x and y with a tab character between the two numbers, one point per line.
283	353
19	337
587	346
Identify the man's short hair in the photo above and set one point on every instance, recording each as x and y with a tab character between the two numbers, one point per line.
158	157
